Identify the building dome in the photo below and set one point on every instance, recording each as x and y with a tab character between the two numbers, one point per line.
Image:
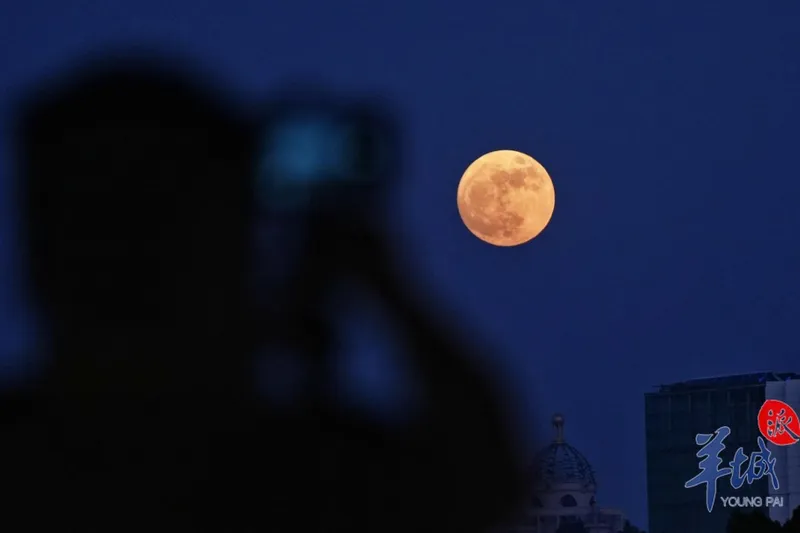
560	464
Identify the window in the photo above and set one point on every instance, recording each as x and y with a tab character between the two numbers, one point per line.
568	501
656	405
680	404
722	416
701	413
738	397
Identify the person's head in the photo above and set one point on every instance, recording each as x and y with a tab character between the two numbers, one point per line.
134	189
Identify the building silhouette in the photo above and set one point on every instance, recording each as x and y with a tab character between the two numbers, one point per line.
564	492
787	458
675	414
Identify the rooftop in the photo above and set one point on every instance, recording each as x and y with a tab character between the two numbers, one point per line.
737	380
559	463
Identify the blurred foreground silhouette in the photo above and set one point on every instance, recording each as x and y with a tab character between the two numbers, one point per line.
137	183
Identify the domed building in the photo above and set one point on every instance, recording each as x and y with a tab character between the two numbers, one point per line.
564	492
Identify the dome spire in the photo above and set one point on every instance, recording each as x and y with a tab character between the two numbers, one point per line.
558	424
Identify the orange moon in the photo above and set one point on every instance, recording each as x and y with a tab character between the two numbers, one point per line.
506	198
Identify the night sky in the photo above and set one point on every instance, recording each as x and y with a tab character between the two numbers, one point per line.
670	130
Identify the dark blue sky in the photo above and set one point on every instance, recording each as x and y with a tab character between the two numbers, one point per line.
670	130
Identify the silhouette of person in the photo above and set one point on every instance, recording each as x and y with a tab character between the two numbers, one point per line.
134	188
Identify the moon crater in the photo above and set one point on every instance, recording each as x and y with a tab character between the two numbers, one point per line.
506	198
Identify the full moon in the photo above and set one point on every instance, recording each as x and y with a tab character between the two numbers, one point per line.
506	198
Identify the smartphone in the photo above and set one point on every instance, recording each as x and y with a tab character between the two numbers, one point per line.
320	159
324	154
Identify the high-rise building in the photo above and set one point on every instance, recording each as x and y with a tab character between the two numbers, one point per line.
675	414
787	458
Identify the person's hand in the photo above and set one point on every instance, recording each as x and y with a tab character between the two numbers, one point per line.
364	251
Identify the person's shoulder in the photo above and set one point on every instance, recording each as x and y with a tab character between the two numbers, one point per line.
20	405
25	452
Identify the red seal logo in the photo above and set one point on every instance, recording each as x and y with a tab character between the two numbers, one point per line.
779	424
